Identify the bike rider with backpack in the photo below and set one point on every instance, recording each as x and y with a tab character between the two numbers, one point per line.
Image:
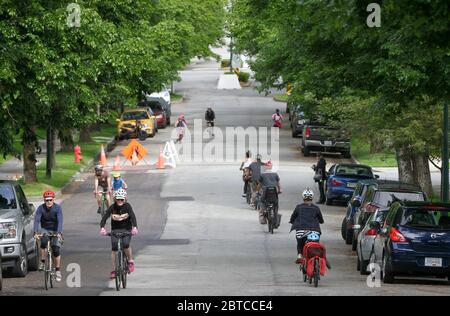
102	179
181	126
277	119
268	179
305	219
210	116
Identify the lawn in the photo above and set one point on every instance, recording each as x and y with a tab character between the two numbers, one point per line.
65	165
361	151
281	97
175	97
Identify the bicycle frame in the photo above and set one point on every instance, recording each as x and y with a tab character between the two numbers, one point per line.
49	269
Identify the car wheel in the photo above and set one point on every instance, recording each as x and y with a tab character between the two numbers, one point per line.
306	152
33	264
387	273
21	267
358	263
354	242
294	134
344	228
349	236
363	264
346	155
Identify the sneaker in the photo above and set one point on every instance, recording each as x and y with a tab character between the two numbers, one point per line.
131	266
112	276
99	210
58	276
41	266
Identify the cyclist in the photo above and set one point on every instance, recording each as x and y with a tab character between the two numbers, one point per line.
181	126
210	116
305	219
102	179
255	168
268	179
277	119
49	220
117	181
123	220
245	168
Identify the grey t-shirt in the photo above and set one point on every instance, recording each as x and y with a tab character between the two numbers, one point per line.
269	179
256	170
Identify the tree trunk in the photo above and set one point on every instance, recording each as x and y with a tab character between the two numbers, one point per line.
66	139
376	145
422	173
53	152
29	156
85	135
49	164
405	167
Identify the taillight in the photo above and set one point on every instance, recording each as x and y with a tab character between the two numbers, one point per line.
307	132
371	232
396	236
336	183
372	208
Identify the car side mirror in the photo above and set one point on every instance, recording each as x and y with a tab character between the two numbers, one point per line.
383	231
32	208
356	203
377	176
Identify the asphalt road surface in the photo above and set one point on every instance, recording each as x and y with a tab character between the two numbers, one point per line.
197	235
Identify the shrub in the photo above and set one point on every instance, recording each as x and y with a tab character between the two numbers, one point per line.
244	76
225	63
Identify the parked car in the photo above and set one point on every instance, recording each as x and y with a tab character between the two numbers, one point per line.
414	240
380	196
1	272
164	94
128	123
318	137
297	121
366	239
352	207
158	101
17	246
342	180
160	113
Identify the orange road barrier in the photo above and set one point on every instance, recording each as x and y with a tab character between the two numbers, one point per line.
134	152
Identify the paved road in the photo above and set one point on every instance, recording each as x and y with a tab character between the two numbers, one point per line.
197	236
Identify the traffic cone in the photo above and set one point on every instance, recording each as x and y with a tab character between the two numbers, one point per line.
103	160
160	164
116	166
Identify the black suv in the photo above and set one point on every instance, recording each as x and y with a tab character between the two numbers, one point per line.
382	195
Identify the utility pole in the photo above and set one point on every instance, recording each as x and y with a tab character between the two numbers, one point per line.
231	53
445	158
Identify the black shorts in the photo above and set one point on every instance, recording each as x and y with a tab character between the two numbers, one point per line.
126	241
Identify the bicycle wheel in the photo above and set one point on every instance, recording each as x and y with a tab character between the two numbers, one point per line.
118	270
47	271
124	271
316	276
103	208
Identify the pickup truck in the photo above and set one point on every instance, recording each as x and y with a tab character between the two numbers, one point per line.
321	138
17	246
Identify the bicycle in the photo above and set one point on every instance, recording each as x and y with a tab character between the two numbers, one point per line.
271	209
210	128
49	267
313	264
121	261
103	207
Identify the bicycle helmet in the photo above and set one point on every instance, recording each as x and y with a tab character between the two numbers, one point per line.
115	174
49	195
98	168
258	157
120	194
308	195
313	236
181	117
269	165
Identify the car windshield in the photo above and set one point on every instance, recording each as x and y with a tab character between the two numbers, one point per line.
354	171
138	115
437	218
155	106
385	198
7	198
